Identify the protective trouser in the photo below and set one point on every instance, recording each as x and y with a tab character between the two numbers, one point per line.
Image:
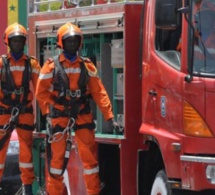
85	139
25	143
87	152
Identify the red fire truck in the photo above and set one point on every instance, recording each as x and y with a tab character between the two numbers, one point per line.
162	94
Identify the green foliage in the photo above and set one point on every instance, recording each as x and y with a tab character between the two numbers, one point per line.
57	5
53	6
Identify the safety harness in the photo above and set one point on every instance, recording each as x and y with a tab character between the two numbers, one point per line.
16	106
72	102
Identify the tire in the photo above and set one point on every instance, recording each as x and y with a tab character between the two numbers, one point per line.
160	185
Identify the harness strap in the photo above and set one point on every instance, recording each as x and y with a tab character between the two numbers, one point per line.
25	81
60	72
22	126
4	138
49	151
57	129
66	157
72	109
13	122
61	82
26	127
90	126
8	77
8	84
22	110
10	130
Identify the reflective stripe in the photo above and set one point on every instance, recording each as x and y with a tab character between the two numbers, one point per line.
211	50
197	49
45	76
91	171
1	166
17	68
35	71
72	70
91	74
55	171
67	154
26	165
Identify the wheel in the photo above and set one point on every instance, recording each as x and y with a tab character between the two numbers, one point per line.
160	185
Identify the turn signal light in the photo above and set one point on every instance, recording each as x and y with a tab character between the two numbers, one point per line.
194	125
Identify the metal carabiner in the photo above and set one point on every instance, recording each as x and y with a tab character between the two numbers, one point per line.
14	114
71	123
19	91
54	138
6	127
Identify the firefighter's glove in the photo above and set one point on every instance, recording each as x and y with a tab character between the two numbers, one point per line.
113	125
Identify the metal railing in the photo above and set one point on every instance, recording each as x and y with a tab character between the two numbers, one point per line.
53	5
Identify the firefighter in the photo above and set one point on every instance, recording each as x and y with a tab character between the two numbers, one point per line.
65	85
18	71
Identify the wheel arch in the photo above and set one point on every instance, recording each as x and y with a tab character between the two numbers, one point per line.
150	161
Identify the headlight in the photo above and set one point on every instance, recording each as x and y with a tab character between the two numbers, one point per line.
210	173
13	148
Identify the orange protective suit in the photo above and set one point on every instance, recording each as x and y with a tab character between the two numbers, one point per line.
25	124
84	136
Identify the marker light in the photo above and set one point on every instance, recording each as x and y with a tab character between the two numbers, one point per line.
194	125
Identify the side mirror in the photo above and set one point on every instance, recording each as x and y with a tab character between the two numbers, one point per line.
166	14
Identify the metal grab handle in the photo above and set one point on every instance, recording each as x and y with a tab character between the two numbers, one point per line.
152	93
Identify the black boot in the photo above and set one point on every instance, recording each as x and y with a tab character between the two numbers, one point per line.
27	189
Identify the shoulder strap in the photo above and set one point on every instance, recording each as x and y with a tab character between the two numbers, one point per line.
27	72
84	77
26	79
6	74
60	74
3	70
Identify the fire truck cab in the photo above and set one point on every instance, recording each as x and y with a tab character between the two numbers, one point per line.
162	94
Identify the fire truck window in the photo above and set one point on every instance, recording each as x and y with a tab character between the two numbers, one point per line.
167	39
166	42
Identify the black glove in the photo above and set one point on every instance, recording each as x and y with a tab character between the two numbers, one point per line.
112	124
